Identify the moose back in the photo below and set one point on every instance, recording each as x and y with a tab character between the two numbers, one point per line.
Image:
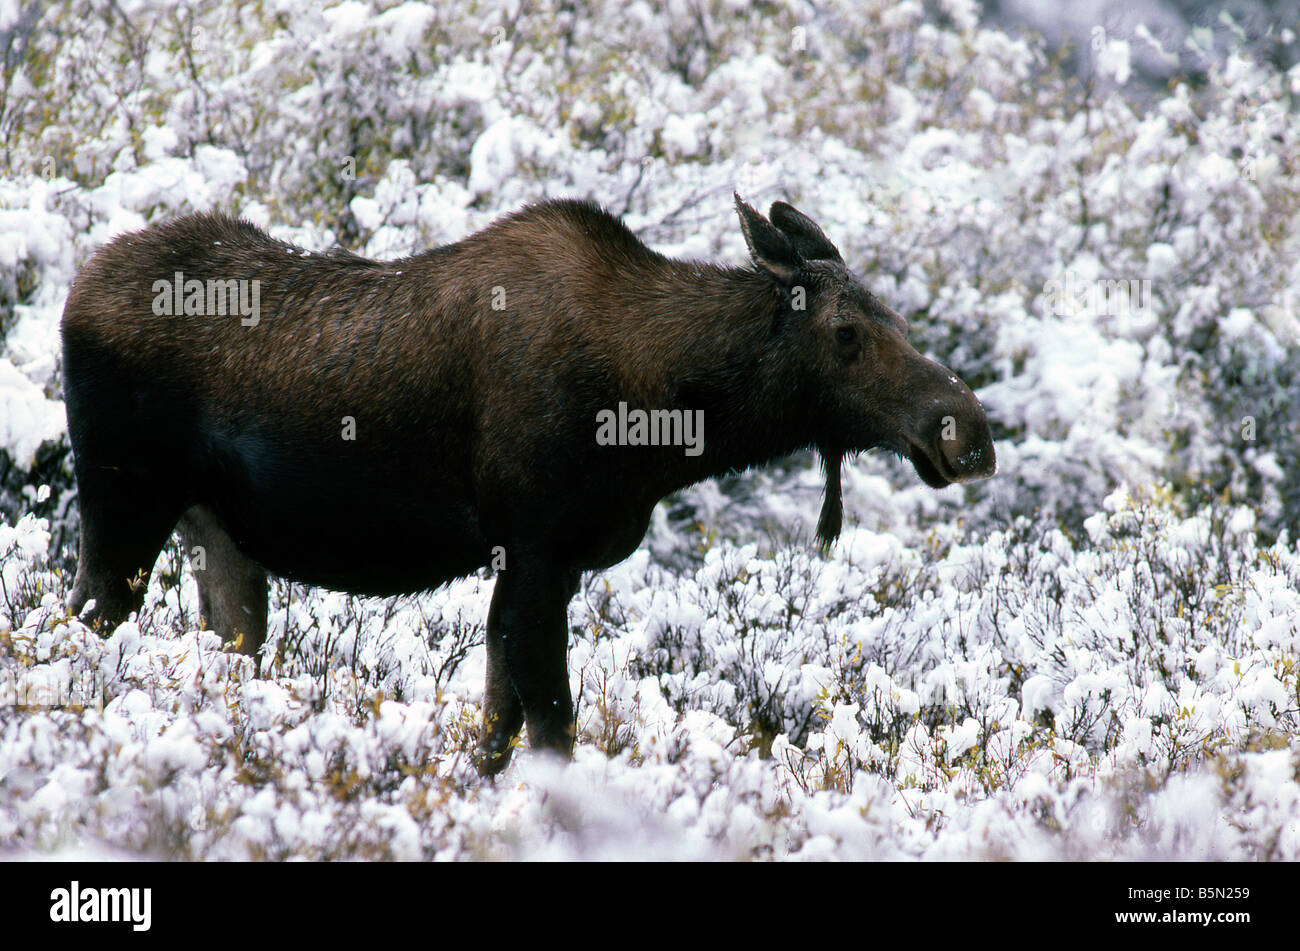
522	399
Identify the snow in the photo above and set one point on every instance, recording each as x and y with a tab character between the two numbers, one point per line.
27	416
1113	61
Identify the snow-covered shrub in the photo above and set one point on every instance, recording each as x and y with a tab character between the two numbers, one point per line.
1159	637
1020	696
1006	209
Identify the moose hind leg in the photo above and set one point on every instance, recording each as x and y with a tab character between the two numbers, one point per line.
232	587
125	521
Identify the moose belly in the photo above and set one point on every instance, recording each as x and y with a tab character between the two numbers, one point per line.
356	552
349	518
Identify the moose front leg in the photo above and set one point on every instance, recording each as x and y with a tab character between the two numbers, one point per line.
527	663
503	713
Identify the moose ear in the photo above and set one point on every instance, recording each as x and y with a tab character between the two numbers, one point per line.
768	246
804	235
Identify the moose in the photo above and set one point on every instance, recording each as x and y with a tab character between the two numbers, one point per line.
384	427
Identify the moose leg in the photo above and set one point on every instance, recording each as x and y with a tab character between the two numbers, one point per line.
503	713
125	520
232	587
528	672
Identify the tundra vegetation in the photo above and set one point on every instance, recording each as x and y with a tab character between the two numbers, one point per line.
1094	655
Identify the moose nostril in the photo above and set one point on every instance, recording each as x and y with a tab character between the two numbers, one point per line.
969	461
965	447
968	456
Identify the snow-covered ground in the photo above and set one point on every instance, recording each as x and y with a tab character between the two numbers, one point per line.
1094	655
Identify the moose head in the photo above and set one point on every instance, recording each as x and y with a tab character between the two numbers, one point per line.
876	390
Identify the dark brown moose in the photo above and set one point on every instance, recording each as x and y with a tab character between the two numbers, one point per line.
383	427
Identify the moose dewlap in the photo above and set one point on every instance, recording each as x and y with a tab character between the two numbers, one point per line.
384	427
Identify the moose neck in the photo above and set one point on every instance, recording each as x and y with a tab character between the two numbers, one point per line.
721	348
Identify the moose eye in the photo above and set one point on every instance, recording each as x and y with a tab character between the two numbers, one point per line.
846	335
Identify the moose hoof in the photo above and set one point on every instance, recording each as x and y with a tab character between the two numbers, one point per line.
494	756
490	765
